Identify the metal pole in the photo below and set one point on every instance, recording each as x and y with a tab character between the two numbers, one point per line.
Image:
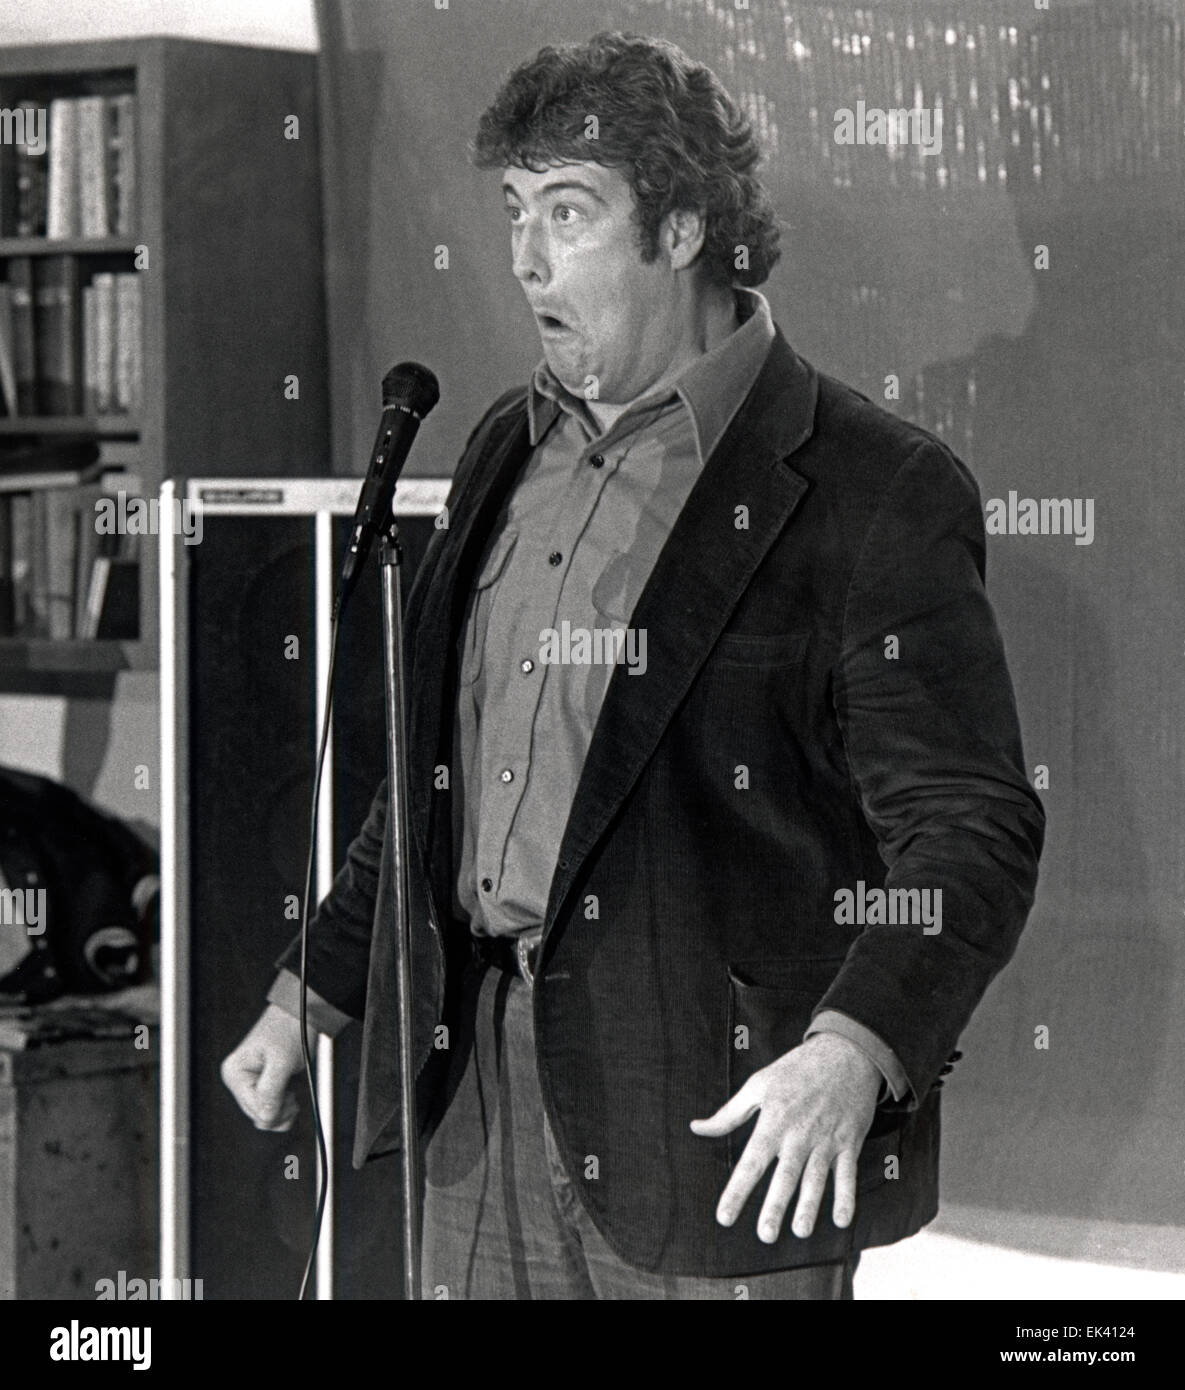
390	560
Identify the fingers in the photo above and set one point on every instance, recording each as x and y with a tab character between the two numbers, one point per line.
284	1120
843	1208
799	1169
810	1193
758	1154
781	1190
274	1108
731	1115
259	1083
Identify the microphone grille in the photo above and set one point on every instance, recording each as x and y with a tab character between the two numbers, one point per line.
411	386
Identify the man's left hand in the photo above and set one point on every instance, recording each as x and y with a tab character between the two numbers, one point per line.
816	1103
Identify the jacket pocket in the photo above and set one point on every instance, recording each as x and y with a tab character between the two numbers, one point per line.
769	1009
483	597
761	649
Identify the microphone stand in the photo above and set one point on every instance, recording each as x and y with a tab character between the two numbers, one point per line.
390	563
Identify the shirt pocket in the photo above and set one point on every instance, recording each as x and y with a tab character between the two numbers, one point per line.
616	591
484	591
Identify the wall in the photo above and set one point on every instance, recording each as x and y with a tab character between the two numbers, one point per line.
1058	382
268	23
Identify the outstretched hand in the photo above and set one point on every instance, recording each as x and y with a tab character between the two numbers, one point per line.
816	1105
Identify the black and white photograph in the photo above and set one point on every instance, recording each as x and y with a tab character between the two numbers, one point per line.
592	637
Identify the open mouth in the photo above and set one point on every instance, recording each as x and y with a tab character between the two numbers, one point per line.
550	324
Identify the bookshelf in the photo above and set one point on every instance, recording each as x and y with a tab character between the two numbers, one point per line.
214	211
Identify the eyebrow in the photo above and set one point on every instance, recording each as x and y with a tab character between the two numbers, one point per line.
557	186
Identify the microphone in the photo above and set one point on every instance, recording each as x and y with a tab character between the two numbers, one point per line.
409	393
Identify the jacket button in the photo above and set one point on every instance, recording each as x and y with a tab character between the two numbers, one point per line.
486	884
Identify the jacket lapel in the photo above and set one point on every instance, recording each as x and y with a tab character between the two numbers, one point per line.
699	578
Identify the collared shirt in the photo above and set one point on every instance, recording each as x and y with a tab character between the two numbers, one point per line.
548	620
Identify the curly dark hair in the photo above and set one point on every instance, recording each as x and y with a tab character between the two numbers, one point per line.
665	121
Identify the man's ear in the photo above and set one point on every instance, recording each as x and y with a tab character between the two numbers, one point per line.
682	236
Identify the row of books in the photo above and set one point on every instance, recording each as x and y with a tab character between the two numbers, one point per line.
61	576
73	168
68	348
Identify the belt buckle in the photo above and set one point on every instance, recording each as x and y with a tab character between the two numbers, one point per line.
523	946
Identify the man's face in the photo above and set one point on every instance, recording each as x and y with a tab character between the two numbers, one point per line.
607	321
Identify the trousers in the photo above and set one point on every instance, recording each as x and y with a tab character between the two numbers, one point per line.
502	1218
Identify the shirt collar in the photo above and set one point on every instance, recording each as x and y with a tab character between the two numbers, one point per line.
712	387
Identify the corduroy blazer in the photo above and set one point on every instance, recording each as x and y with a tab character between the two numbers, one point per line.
826	705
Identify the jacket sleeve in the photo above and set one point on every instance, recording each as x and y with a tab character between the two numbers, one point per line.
934	748
339	933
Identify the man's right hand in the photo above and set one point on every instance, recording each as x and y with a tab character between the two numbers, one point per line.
259	1071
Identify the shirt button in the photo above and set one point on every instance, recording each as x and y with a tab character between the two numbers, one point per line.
507	775
526	666
554	558
486	884
597	460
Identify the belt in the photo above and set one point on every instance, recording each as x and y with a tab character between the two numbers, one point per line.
517	955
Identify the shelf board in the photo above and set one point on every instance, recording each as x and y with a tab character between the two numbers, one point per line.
66	246
68	655
102	426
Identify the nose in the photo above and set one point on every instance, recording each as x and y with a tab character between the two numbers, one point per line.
528	258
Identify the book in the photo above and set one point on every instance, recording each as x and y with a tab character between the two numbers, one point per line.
121	164
118	600
45	482
128	367
61	538
90	351
24	353
37	623
8	396
93	181
34	464
56	336
21	509
88	545
31	173
103	346
7	587
61	218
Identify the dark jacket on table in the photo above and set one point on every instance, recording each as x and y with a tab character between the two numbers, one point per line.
717	941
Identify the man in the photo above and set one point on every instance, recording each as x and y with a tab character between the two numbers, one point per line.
721	827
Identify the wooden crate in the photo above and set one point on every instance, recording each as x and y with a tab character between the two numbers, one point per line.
78	1165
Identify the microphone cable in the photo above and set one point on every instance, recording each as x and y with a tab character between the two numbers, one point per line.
305	1050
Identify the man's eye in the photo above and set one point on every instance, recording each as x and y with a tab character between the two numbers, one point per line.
564	213
513	213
